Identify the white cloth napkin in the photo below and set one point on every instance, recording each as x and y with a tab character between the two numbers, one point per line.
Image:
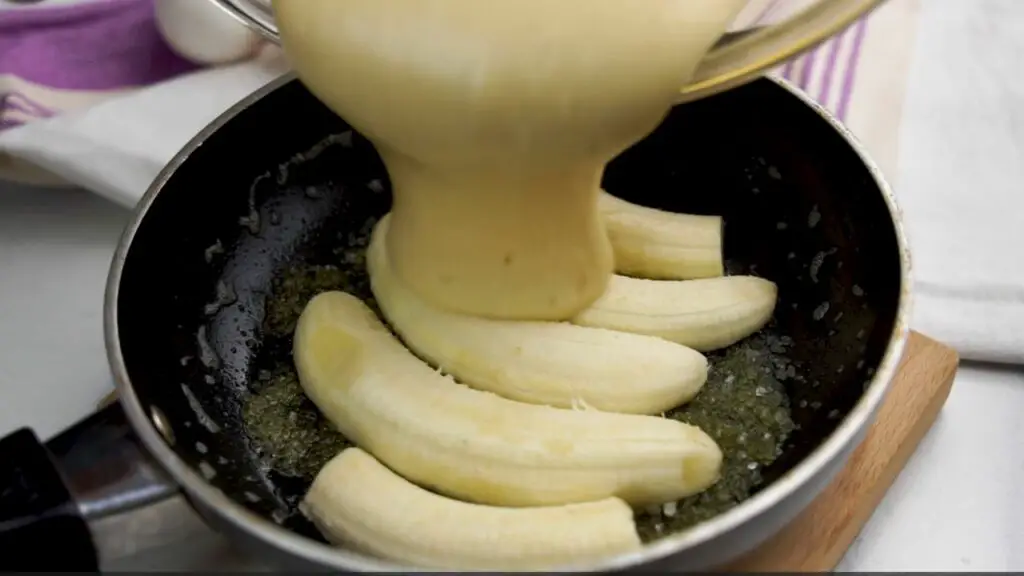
116	147
931	87
961	181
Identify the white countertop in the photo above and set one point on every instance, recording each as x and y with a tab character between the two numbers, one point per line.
958	506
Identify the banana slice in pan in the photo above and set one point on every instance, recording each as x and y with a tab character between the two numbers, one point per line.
475	445
358	502
651	243
705	314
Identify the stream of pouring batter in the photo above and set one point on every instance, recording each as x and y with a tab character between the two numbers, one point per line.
495	119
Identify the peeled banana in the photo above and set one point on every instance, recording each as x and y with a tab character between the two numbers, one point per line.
358	502
475	445
553	363
704	314
651	243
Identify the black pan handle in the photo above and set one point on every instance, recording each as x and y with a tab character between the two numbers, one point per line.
41	527
51	494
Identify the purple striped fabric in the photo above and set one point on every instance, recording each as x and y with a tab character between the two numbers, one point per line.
96	45
808	68
851	69
24	104
836	79
787	69
830	66
16	108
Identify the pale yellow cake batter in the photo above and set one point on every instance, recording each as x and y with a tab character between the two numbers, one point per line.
495	119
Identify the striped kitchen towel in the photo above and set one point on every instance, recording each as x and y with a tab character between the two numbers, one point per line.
68	57
62	57
861	76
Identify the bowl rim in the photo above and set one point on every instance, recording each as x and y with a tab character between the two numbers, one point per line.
284	540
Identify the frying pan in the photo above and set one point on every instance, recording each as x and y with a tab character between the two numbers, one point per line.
279	181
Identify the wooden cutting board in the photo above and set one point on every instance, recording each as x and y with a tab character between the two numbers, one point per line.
817	540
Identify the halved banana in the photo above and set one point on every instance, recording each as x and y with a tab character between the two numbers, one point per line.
651	243
358	502
704	314
553	363
475	445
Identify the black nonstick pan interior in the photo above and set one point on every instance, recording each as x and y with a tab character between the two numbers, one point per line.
259	199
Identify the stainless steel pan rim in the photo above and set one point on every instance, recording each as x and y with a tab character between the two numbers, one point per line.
241	518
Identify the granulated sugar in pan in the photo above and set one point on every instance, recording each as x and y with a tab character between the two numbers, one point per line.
743	405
